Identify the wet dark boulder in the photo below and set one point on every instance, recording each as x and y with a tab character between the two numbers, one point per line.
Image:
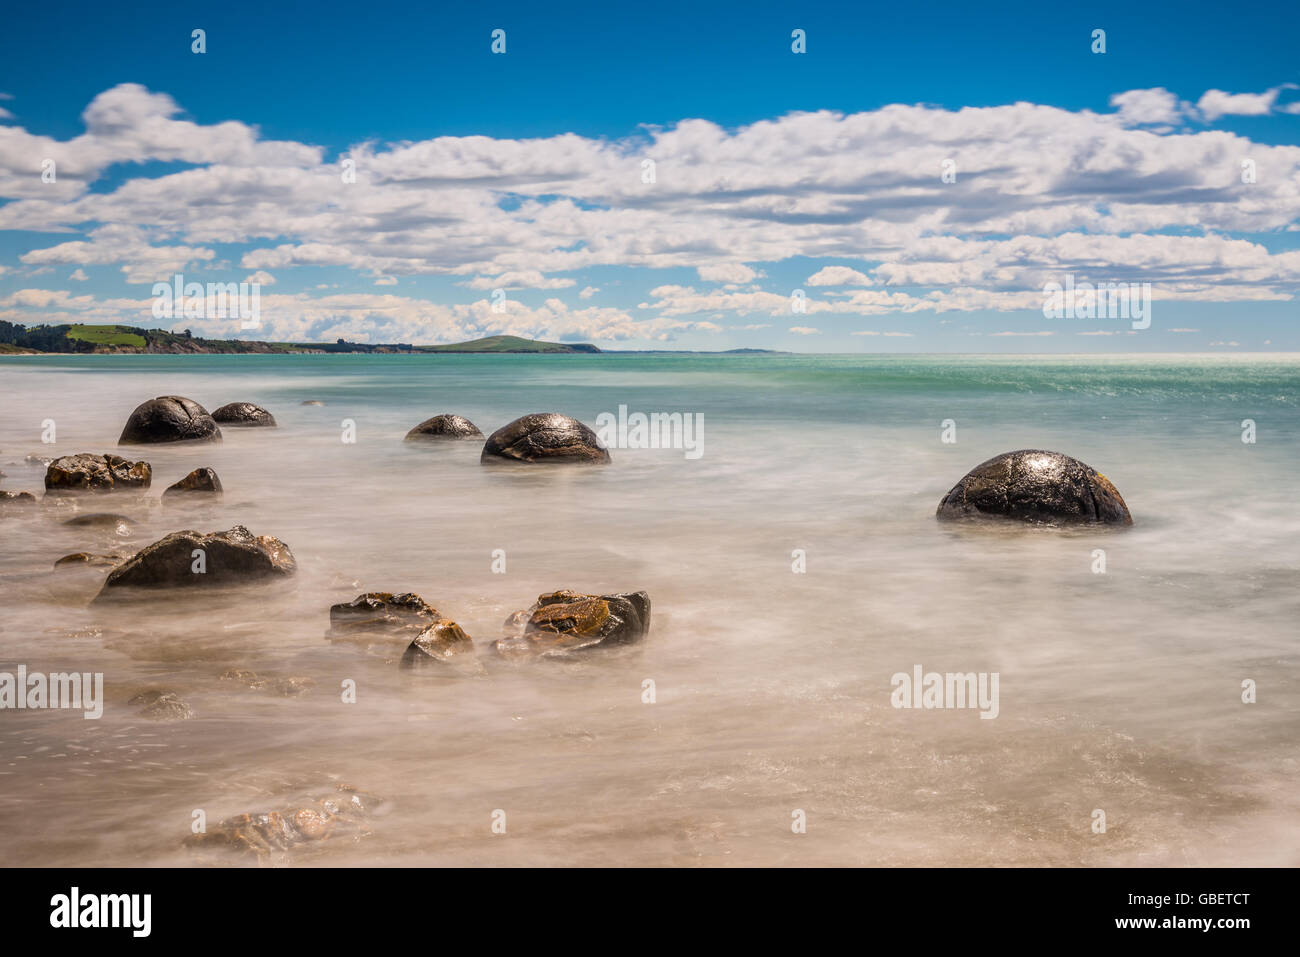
9	499
87	472
1035	486
544	437
169	418
440	646
564	622
190	559
244	415
444	427
201	483
383	613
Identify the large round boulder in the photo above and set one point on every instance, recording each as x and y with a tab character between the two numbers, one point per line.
1031	485
192	560
444	427
244	415
544	437
87	472
169	418
565	622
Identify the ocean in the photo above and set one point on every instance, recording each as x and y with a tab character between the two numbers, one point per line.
795	567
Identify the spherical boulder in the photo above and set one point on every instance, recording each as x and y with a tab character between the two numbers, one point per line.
244	415
169	418
1035	486
544	437
444	427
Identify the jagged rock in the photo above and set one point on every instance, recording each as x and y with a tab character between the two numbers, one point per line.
202	483
1031	485
119	525
342	815
564	622
226	558
161	705
16	498
544	437
383	613
169	418
440	645
244	415
87	472
444	427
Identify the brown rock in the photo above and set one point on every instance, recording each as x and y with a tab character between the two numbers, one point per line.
383	613
244	415
564	622
544	437
228	558
201	482
440	645
444	427
87	472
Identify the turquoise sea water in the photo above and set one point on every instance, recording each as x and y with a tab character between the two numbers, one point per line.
1118	691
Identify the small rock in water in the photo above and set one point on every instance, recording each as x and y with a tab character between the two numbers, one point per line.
42	460
169	418
444	427
342	815
192	560
17	498
93	561
244	415
202	483
1035	486
290	687
88	472
119	525
381	612
311	402
161	706
442	644
564	622
544	437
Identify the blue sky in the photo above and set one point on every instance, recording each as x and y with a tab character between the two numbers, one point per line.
775	171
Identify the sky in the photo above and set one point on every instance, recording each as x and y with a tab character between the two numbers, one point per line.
663	175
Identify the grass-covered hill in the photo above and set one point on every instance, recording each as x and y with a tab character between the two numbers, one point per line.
15	338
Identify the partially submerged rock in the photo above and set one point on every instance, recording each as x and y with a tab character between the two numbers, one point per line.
342	815
202	483
444	427
382	613
88	560
190	559
544	437
16	498
87	472
244	415
119	525
564	622
169	418
160	705
441	645
290	687
1032	485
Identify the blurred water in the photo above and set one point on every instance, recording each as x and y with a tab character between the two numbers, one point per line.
1119	692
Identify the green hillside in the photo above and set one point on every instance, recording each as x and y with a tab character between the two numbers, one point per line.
511	344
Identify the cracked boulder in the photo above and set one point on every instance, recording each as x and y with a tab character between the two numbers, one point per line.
169	418
1038	487
544	437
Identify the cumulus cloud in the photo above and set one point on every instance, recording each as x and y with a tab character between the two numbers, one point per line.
1134	194
804	330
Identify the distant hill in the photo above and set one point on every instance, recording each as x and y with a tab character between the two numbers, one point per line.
16	339
511	344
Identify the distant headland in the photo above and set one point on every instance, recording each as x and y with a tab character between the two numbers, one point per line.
131	340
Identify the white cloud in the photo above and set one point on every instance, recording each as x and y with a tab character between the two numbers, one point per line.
1216	103
727	272
261	277
804	330
78	275
1145	107
588	292
839	276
